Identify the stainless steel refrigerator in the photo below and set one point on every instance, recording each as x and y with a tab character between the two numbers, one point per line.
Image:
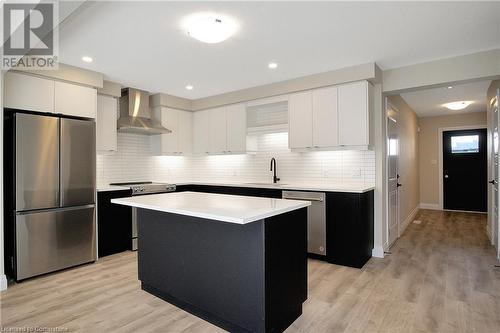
53	193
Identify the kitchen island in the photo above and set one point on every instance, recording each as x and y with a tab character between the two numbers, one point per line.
237	262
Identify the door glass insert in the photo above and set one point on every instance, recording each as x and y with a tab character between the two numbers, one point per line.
465	144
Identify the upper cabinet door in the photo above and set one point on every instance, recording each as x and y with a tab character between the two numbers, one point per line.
106	121
170	141
325	117
200	132
236	128
353	108
300	120
28	92
185	132
217	137
74	100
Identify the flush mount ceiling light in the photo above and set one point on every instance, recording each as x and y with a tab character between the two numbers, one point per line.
189	87
272	65
458	105
87	59
210	27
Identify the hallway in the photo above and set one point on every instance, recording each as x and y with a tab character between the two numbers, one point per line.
439	278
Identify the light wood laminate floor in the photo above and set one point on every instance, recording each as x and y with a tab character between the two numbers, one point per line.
439	278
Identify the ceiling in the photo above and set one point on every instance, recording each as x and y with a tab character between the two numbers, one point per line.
429	102
141	44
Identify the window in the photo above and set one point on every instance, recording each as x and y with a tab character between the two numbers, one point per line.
465	144
393	147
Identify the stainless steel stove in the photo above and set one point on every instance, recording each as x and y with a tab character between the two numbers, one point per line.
143	188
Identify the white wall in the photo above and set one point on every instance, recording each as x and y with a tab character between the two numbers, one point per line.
135	162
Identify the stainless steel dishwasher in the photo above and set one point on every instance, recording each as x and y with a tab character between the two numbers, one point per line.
316	219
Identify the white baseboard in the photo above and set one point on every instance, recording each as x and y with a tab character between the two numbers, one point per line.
3	282
410	218
429	206
378	252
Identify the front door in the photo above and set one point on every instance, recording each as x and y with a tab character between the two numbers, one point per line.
465	170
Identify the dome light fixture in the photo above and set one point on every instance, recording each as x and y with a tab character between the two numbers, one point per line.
460	105
210	28
272	65
189	87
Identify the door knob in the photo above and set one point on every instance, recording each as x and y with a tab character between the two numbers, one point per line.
399	185
445	176
493	182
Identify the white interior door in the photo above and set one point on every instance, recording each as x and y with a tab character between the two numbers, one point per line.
494	181
392	173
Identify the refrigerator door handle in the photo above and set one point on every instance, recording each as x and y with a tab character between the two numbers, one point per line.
48	210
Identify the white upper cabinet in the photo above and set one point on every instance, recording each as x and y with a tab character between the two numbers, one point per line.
325	117
331	117
236	120
300	120
354	114
106	121
74	100
200	132
217	139
179	141
220	130
28	92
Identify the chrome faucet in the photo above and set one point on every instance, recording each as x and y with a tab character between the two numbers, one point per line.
275	179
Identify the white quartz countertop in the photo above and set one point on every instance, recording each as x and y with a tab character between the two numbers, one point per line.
305	186
221	207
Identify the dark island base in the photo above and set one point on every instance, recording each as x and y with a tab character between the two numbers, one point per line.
242	278
217	321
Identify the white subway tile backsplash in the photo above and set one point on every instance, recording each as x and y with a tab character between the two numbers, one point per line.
134	162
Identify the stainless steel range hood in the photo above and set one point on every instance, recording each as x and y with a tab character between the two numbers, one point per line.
136	116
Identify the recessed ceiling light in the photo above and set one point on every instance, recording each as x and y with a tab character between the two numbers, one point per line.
210	27
87	59
189	87
272	65
450	87
458	105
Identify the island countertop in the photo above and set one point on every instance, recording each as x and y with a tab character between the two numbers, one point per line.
221	207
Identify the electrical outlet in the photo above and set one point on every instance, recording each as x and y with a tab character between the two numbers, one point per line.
356	172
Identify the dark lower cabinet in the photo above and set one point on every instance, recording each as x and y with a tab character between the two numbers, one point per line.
114	223
349	228
349	221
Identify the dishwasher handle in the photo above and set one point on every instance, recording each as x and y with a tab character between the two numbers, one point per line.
302	195
306	199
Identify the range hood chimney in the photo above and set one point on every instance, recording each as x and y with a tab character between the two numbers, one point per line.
135	114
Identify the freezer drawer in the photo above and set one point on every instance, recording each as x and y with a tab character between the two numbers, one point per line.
36	162
316	219
77	162
47	241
